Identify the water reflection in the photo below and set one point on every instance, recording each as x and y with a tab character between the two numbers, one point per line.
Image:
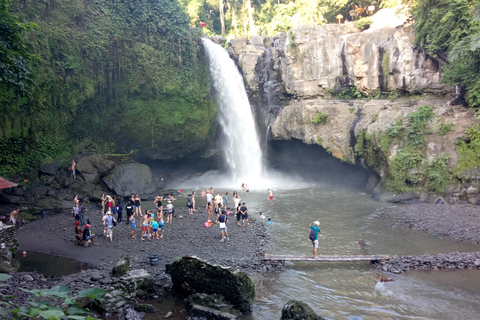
49	265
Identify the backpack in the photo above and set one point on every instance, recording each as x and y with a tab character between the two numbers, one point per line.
189	202
312	234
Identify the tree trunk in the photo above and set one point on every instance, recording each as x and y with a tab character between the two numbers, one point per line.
253	32
231	6
222	16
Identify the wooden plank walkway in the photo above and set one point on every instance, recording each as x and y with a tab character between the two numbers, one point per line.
326	258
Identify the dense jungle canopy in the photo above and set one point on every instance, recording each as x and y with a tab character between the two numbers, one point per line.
130	75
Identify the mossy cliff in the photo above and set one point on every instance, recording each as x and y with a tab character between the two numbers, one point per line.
123	75
408	144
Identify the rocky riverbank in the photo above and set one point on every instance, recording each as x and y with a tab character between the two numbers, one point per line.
460	222
186	236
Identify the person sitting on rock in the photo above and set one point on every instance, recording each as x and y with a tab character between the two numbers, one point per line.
88	236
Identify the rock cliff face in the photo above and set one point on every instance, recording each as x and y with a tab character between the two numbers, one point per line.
288	77
311	60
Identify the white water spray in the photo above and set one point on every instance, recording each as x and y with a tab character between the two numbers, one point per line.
241	145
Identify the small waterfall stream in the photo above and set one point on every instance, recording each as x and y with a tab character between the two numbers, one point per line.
241	147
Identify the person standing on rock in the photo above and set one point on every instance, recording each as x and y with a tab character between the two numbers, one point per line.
190	204
193	200
82	214
239	214
73	165
108	220
209	199
224	201
314	230
159	204
244	212
161	223
145	225
129	208
170	211
78	232
119	211
138	206
104	201
223	226
215	209
133	225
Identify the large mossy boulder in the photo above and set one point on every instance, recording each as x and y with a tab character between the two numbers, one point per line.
121	267
296	310
192	275
132	178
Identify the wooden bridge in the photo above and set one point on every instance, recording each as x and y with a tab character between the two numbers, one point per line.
326	258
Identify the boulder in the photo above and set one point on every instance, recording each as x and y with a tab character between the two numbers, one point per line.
121	267
191	275
132	178
137	279
296	310
92	167
51	169
211	306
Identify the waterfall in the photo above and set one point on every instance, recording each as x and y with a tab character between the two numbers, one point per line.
241	146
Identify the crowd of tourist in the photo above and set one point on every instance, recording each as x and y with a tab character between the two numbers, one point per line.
152	222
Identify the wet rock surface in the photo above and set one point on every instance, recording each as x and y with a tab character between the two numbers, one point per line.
296	310
444	261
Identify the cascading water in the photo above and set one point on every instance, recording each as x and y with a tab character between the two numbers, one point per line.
241	145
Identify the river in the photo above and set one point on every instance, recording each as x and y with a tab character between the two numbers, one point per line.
351	290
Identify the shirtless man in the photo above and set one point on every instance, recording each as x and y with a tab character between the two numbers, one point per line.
73	165
161	223
145	225
216	210
270	194
14	215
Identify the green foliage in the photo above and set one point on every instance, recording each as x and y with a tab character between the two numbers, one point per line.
418	121
320	118
445	128
126	75
453	27
15	56
349	93
49	304
363	23
410	168
375	117
468	150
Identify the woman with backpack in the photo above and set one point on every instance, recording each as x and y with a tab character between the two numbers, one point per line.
314	230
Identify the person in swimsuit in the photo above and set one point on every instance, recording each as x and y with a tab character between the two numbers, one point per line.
161	223
138	206
132	224
145	226
202	193
73	165
154	225
216	210
270	194
193	200
159	205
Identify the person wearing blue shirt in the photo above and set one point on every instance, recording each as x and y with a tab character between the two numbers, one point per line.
315	229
